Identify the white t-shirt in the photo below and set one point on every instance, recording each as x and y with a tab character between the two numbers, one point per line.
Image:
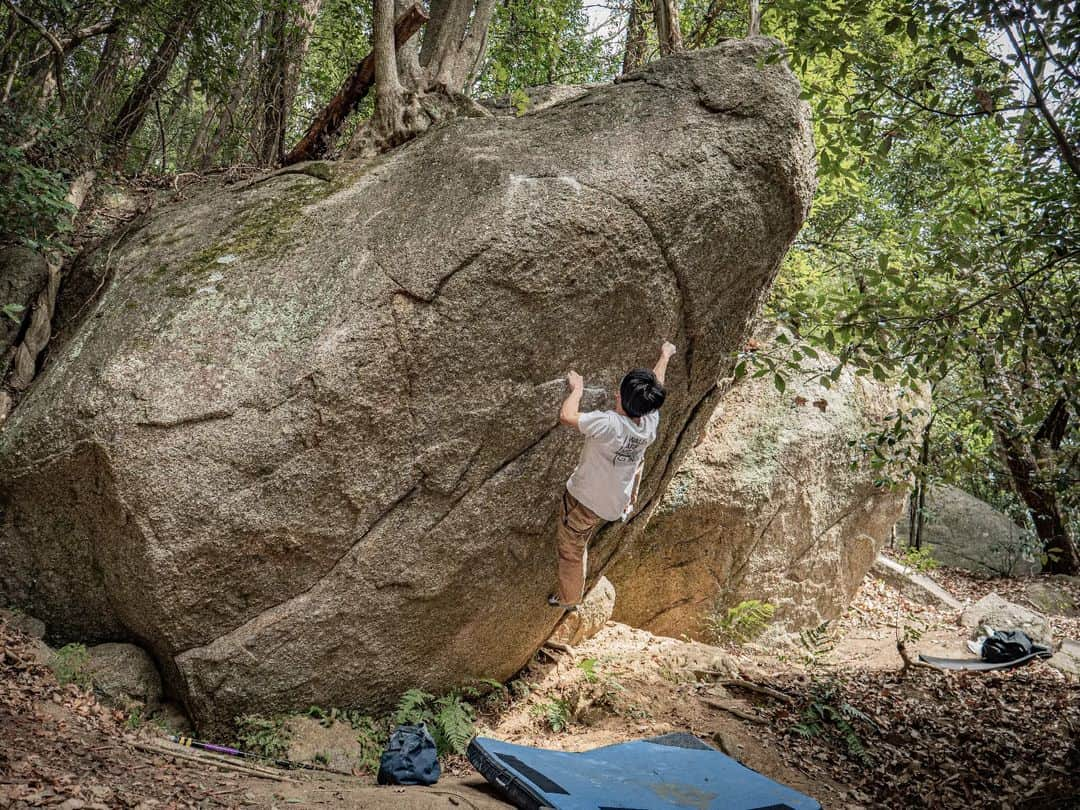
614	448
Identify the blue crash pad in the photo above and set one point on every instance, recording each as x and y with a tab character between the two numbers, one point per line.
673	772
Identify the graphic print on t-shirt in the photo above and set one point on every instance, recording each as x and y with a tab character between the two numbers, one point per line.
628	452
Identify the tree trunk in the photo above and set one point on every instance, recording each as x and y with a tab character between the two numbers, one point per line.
754	29
103	84
668	32
634	53
227	111
917	517
1037	491
454	43
326	127
134	109
288	32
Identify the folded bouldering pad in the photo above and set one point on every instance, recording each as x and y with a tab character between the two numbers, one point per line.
977	664
671	772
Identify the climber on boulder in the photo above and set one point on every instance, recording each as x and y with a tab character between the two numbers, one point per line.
604	483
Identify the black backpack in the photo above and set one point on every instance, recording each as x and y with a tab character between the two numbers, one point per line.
1007	645
410	758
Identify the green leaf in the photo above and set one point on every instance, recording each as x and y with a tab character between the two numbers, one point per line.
779	382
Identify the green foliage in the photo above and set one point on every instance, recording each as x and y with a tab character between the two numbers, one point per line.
372	737
262	736
134	717
817	643
69	665
450	718
371	734
943	247
920	560
555	713
588	666
827	712
12	311
532	44
741	623
33	211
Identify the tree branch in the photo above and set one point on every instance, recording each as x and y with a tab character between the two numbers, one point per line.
1040	102
54	43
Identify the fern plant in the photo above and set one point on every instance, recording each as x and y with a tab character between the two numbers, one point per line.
828	712
69	665
741	623
588	666
556	713
454	723
262	736
450	718
817	642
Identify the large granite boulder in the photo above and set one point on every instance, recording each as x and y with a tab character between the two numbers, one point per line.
305	448
769	507
963	531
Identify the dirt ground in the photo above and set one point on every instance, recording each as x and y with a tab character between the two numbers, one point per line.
918	738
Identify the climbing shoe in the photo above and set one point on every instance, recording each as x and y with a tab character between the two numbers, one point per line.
553	600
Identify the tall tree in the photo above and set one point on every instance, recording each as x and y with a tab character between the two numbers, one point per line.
286	31
668	26
133	111
636	40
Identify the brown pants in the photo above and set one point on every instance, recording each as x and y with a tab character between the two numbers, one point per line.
577	523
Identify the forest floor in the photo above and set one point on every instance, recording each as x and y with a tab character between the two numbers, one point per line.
919	738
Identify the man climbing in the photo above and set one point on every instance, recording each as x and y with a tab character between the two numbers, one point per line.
604	484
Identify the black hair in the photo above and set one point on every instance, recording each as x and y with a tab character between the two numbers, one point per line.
641	392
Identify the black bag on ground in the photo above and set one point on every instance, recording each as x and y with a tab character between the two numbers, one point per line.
410	758
1006	645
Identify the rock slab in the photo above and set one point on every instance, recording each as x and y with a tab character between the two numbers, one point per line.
305	447
768	507
915	586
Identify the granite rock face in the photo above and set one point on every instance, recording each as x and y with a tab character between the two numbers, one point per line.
305	448
767	507
963	531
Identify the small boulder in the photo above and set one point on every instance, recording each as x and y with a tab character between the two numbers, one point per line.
590	617
173	718
23	622
1067	659
1000	614
124	674
1051	598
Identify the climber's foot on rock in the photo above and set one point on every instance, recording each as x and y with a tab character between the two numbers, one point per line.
553	600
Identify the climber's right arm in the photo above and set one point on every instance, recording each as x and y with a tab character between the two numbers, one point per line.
571	407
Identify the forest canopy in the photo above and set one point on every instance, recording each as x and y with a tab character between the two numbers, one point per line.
942	252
